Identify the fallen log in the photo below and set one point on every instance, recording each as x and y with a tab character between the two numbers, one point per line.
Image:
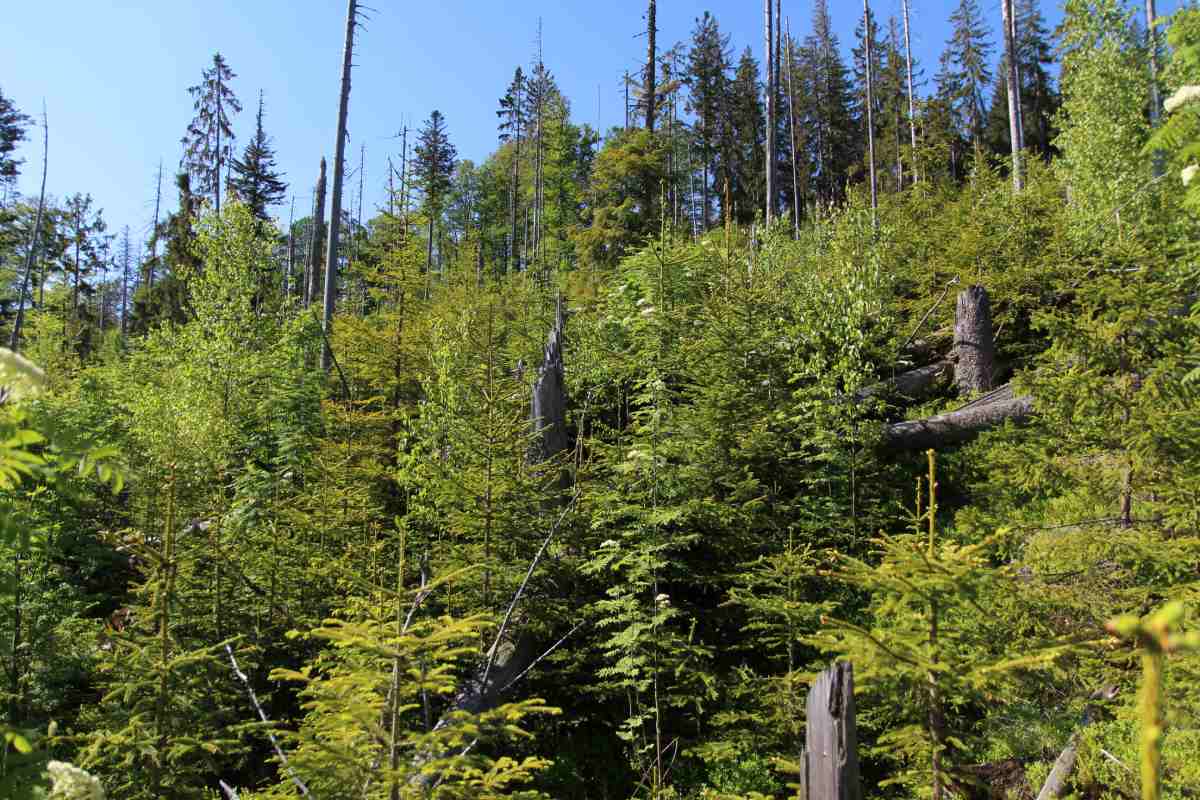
1056	782
914	384
962	425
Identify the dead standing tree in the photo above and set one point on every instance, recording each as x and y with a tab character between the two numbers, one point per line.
35	237
353	13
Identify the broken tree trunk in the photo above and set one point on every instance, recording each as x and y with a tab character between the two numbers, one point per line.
959	426
974	344
516	649
831	740
913	384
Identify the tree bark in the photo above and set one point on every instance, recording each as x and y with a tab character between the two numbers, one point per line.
912	107
974	345
318	239
768	40
1014	92
651	73
959	426
831	738
14	340
867	43
913	384
339	160
792	132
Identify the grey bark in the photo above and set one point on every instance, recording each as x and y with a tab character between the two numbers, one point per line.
318	239
154	230
867	41
913	384
831	739
339	161
549	405
1056	782
768	37
14	340
1014	92
651	73
959	426
912	107
974	344
792	131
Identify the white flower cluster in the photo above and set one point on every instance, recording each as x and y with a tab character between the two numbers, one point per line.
69	782
1183	96
1189	174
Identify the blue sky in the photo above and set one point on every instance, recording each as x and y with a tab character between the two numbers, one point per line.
115	75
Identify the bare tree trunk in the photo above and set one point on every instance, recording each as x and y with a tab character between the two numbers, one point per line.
291	252
867	39
14	339
1014	92
830	765
154	230
1152	37
768	42
339	165
318	239
974	344
912	107
959	426
651	73
792	130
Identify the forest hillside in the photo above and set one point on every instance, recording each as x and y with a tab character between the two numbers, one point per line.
565	474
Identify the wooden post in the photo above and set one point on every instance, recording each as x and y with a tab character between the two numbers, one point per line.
974	344
831	741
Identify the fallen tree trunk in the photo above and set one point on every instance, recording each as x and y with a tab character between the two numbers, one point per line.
1056	782
959	426
913	384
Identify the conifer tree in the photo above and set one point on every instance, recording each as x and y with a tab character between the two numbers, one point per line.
747	135
706	79
208	144
830	116
512	113
968	51
435	160
255	179
12	131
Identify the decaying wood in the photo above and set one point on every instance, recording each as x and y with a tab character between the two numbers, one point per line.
831	741
1056	782
959	426
914	384
549	406
974	343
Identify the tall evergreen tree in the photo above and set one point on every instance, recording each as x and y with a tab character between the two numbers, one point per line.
208	144
12	130
969	52
746	148
435	160
707	79
830	116
512	123
255	178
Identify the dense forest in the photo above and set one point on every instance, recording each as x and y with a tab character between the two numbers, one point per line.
566	473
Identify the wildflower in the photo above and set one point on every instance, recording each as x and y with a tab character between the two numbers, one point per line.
1184	95
663	600
1189	173
609	543
20	376
69	782
647	311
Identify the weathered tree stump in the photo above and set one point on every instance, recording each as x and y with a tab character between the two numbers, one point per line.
974	342
830	768
549	407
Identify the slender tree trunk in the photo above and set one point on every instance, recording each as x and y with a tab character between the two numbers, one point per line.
339	164
1159	162
14	340
912	103
516	183
154	230
792	130
289	275
769	46
867	38
318	240
1014	92
125	286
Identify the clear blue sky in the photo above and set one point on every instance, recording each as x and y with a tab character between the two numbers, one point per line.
115	75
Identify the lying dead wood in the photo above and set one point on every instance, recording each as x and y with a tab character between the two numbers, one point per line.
1056	782
962	425
914	384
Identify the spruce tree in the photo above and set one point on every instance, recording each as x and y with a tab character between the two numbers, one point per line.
208	144
746	147
706	79
12	131
969	51
830	115
255	179
435	160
